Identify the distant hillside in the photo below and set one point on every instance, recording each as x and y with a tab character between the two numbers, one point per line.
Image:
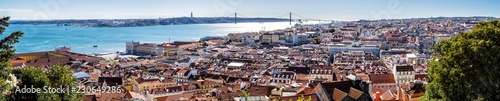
146	22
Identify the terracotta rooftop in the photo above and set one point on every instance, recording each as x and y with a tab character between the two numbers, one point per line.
94	76
89	98
110	96
182	71
382	78
404	68
296	97
178	97
134	95
339	77
164	89
421	76
208	82
355	93
338	95
256	90
388	95
140	80
230	96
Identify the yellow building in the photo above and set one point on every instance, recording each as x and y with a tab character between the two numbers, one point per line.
37	55
142	84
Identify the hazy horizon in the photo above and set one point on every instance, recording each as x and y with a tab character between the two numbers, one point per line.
338	10
238	17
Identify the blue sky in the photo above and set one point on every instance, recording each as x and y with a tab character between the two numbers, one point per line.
316	9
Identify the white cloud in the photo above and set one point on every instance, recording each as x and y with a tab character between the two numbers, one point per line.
29	14
16	10
17	13
106	15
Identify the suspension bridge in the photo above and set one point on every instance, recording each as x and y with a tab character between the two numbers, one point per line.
291	16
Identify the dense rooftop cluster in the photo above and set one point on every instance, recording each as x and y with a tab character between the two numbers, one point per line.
359	60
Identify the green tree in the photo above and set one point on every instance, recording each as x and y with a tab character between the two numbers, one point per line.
467	66
6	53
316	40
31	77
301	98
54	77
245	94
62	76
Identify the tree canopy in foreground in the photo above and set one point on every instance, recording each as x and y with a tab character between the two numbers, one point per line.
467	67
54	77
6	52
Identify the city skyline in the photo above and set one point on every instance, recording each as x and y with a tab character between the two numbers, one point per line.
322	9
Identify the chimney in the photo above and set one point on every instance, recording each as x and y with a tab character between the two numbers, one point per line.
377	96
370	86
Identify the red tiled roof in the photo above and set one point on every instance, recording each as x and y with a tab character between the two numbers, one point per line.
338	95
208	82
169	72
102	67
382	78
110	96
404	68
322	67
89	98
17	61
163	89
296	97
182	71
354	93
175	97
141	80
257	90
388	95
94	76
305	90
48	61
230	96
339	77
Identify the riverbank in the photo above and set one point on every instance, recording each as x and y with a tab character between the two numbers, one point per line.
148	22
82	39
